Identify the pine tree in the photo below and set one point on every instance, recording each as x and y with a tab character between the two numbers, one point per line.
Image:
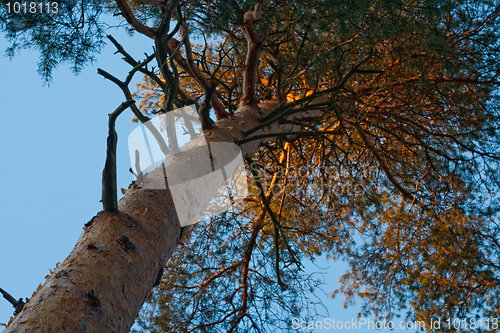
378	120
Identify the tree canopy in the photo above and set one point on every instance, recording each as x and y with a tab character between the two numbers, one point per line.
387	151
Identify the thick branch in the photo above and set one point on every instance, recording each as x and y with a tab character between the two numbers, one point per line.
103	265
254	45
204	111
109	196
129	16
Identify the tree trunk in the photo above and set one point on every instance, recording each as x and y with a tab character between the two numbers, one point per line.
102	284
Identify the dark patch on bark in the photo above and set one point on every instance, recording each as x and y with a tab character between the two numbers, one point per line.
93	299
126	244
91	247
62	273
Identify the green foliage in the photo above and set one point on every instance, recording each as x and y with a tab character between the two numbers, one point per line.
74	36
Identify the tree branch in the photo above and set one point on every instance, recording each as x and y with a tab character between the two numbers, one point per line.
163	54
195	73
129	16
18	305
142	118
287	109
254	45
310	133
110	77
384	167
156	3
204	111
109	196
265	202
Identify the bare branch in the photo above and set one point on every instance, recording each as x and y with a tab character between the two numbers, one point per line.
109	196
129	16
18	305
119	49
110	77
195	72
254	45
128	95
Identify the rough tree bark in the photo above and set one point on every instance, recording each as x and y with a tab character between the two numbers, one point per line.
102	284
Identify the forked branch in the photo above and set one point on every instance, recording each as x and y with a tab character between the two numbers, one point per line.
128	95
267	206
195	73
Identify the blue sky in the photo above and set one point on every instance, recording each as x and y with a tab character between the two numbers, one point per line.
52	150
